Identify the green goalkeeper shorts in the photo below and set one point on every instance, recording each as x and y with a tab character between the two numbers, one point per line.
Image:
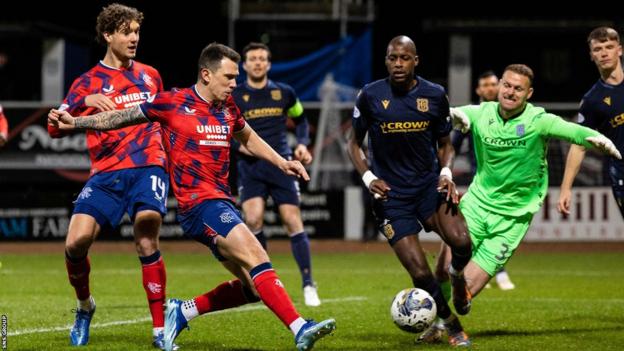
494	237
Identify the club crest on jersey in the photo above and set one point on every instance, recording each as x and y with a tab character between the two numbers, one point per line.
422	104
148	80
226	217
276	94
108	90
520	130
246	97
607	100
385	104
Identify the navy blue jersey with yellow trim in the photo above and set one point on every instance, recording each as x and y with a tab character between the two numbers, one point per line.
602	109
266	111
403	129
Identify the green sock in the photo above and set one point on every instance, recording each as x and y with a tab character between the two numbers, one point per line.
446	289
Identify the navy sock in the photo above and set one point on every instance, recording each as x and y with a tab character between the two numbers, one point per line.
300	246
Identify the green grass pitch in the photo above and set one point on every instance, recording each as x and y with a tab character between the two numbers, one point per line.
563	301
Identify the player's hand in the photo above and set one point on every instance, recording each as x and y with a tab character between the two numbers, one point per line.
565	200
61	120
460	120
100	101
379	189
302	154
605	145
446	185
294	168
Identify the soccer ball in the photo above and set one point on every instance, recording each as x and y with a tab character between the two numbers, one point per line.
413	310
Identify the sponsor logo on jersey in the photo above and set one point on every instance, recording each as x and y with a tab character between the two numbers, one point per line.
132	99
276	94
607	100
404	127
385	104
422	104
514	143
189	111
215	135
617	120
264	112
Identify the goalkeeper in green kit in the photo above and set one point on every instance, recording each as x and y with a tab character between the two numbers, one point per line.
510	141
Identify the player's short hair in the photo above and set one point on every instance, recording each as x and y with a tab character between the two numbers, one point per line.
255	46
486	74
114	17
603	34
522	70
210	58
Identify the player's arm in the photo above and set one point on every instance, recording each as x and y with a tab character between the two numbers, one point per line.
572	167
555	126
446	155
259	148
302	132
106	120
361	114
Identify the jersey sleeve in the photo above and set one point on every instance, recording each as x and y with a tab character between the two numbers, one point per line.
443	120
553	126
587	115
361	118
73	103
157	108
239	120
472	111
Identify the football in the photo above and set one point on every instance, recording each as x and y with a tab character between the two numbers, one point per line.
413	310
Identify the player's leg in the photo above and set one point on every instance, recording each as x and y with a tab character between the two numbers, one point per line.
239	246
446	220
253	209
503	281
95	208
495	247
253	191
147	190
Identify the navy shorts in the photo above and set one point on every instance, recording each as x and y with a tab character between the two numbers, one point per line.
403	215
107	196
207	220
617	186
258	178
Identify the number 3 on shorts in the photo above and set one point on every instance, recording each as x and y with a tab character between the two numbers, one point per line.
503	252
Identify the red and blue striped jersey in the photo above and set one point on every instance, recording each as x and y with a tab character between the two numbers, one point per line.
4	126
196	135
129	147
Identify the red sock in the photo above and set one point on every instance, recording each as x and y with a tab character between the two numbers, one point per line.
78	272
275	297
227	295
154	283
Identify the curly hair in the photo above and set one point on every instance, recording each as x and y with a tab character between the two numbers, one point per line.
115	17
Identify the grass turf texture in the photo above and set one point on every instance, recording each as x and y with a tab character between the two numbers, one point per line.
562	301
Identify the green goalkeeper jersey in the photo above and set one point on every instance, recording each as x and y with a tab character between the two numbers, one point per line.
512	171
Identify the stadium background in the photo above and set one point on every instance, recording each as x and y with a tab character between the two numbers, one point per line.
561	259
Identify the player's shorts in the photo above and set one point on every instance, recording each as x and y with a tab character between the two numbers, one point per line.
107	196
258	178
209	219
494	237
403	215
617	186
